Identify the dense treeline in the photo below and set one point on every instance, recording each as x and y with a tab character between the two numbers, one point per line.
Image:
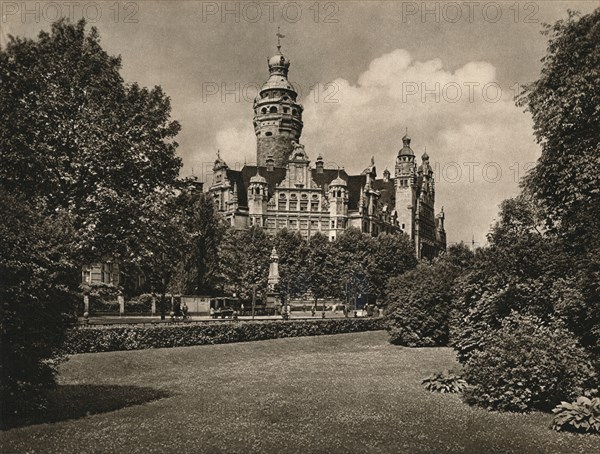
353	266
523	313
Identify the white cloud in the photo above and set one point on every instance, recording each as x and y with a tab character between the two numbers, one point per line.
478	141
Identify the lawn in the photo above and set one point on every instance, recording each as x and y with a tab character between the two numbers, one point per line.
328	394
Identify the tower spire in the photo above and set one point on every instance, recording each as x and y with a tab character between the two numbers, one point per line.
279	36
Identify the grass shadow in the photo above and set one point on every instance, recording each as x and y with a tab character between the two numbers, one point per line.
77	401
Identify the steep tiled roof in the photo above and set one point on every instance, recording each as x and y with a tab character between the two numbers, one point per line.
388	192
355	184
273	177
328	175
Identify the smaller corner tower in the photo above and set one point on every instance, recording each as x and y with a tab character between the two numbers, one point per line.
405	181
258	197
338	205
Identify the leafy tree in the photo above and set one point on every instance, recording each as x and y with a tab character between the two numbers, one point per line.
564	105
244	261
204	228
74	136
393	256
354	262
292	252
420	300
36	303
320	267
95	160
526	270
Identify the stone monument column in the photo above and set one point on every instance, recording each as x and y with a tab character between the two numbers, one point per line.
273	280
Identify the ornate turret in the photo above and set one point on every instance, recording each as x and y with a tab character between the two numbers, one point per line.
319	164
219	163
405	161
338	204
277	115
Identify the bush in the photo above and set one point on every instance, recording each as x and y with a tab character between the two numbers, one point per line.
100	306
444	382
583	415
139	304
527	365
93	339
418	309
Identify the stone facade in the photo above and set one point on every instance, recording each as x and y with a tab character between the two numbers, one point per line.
285	191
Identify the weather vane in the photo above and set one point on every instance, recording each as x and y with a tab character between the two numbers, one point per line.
279	36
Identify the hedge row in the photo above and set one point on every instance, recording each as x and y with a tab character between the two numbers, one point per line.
105	339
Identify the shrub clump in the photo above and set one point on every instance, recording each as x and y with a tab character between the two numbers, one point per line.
583	415
105	339
444	382
527	365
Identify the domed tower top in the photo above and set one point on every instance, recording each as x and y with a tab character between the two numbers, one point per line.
279	64
406	150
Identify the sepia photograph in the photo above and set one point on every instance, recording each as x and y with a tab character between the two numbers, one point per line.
300	226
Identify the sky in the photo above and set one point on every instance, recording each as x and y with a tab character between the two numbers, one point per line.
367	72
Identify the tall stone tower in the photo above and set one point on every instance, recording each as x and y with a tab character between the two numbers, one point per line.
277	115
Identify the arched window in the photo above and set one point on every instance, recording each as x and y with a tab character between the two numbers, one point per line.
293	202
268	133
285	98
282	202
314	203
294	112
264	110
304	205
273	109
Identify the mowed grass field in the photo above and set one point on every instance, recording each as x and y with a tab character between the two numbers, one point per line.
350	393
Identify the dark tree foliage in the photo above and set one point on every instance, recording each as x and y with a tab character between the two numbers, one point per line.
292	250
321	270
528	363
197	271
74	136
528	271
95	160
244	262
420	301
393	256
514	273
354	261
36	304
565	105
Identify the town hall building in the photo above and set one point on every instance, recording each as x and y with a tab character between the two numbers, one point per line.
284	190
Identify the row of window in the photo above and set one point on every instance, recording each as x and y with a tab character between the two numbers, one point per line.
275	109
303	224
293	205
